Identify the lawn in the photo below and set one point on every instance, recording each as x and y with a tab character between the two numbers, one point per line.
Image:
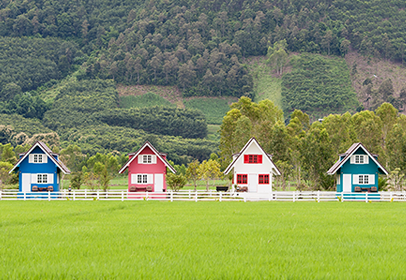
203	240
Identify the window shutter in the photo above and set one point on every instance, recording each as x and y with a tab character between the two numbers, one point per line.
153	159
366	159
259	158
33	178
44	158
150	179
30	158
246	158
133	178
139	158
355	179
371	180
352	159
50	178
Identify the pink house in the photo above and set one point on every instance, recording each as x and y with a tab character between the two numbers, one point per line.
147	170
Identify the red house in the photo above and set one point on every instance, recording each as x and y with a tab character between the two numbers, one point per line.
147	170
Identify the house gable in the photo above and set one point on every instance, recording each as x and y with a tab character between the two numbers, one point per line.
157	159
263	164
352	162
38	158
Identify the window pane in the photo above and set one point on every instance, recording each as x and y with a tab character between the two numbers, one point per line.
144	179
139	179
44	178
365	179
361	179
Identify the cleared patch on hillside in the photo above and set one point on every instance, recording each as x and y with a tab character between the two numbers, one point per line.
267	84
377	70
214	108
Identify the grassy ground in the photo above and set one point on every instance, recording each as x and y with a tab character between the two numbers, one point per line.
204	240
213	108
266	84
121	183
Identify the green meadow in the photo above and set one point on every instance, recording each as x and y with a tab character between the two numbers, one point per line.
201	240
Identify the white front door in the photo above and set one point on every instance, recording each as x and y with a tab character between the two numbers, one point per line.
347	183
159	183
26	182
252	182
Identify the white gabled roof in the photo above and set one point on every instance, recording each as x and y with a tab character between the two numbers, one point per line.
48	152
354	147
147	144
247	145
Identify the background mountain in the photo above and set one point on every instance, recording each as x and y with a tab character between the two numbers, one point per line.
73	65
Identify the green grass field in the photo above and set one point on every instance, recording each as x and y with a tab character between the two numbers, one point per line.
203	240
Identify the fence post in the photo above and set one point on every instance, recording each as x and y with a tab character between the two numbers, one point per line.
97	194
122	195
245	198
294	194
366	197
318	196
49	196
220	196
1	193
342	197
171	196
390	196
85	193
25	195
74	195
196	197
189	193
146	197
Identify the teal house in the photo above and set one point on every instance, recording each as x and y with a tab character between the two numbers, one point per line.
357	170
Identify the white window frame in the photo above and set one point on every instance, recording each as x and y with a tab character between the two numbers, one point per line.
38	158
359	159
42	178
364	179
142	179
147	159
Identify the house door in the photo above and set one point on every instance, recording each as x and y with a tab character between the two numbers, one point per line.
347	183
159	183
252	183
26	182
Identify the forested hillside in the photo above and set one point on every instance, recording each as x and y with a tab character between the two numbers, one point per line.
61	63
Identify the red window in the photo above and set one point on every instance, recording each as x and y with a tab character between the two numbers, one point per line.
263	179
252	158
241	178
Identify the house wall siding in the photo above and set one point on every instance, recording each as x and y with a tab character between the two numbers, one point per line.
154	168
39	168
365	169
254	168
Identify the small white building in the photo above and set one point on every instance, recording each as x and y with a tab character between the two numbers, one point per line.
253	168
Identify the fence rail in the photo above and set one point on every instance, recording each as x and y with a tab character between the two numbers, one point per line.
189	195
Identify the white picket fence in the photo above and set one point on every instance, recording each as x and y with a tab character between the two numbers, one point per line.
189	195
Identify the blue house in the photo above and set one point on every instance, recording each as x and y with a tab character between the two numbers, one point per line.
39	169
357	170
